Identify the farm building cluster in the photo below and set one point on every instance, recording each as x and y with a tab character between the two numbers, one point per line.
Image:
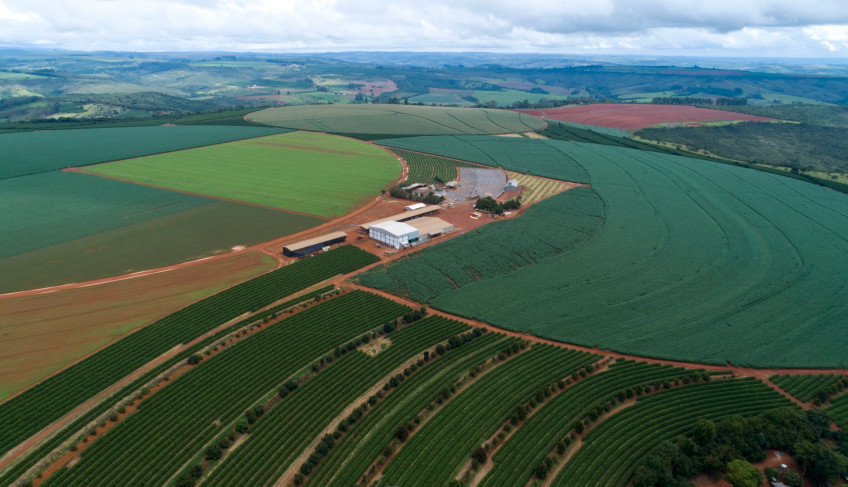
412	227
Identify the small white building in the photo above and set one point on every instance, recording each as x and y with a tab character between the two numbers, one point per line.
395	234
511	186
414	207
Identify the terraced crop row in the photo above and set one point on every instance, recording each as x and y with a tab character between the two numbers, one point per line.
51	399
427	168
538	435
287	429
536	188
838	410
362	444
171	426
805	387
18	469
611	450
438	450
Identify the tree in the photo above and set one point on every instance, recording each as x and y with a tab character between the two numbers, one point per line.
480	455
792	479
742	474
820	463
402	433
213	453
704	432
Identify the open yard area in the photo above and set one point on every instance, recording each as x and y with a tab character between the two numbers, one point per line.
317	174
42	333
397	119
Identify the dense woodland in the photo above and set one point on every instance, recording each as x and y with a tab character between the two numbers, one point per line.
803	146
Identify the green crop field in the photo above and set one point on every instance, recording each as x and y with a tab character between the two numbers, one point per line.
397	119
690	260
312	173
537	157
807	387
212	228
427	168
36	152
45	209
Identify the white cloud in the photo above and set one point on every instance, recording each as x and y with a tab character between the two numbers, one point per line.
719	27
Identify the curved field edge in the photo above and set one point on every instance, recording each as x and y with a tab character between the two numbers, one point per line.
50	331
396	119
61	393
209	229
695	262
311	173
42	151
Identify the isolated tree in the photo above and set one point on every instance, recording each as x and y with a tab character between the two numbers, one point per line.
402	433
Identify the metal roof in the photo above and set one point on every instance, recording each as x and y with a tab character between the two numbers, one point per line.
398	229
430	225
407	215
313	241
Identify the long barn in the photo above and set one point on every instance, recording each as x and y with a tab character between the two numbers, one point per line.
306	247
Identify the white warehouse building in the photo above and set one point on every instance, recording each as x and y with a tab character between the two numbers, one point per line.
395	234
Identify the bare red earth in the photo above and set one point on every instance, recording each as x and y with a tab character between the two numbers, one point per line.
637	116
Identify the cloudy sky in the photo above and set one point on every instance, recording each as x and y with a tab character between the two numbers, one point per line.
779	28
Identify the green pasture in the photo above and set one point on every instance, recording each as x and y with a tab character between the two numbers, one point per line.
190	234
453	97
508	97
312	173
645	97
24	153
691	260
396	119
501	97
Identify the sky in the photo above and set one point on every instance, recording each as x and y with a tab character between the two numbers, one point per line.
735	28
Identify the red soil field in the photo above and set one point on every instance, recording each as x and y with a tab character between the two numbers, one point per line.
637	116
42	333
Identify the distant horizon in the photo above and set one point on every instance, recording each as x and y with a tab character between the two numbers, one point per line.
642	56
817	29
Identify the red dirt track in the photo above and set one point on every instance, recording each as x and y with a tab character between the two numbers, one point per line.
637	116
